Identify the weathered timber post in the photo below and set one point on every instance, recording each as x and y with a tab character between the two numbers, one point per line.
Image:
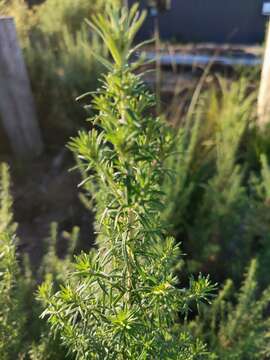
17	108
264	92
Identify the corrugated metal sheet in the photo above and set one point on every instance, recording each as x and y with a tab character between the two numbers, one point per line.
230	21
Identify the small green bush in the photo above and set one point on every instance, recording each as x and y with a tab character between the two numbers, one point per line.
12	319
62	72
22	334
218	206
54	14
24	17
66	68
122	302
236	326
58	49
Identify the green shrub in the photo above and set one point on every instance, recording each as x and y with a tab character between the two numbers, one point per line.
7	224
62	72
58	49
22	334
121	302
24	17
54	14
218	206
236	326
11	318
66	68
218	225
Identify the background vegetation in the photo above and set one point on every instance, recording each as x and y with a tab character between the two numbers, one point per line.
58	48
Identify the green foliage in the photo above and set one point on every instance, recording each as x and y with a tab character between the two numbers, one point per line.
11	316
236	326
52	266
58	50
42	345
11	320
22	334
6	217
63	71
24	17
121	302
219	220
209	184
218	206
53	14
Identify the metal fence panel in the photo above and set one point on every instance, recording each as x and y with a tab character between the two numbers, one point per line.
231	21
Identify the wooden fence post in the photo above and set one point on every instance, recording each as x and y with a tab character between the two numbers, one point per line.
264	92
17	108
